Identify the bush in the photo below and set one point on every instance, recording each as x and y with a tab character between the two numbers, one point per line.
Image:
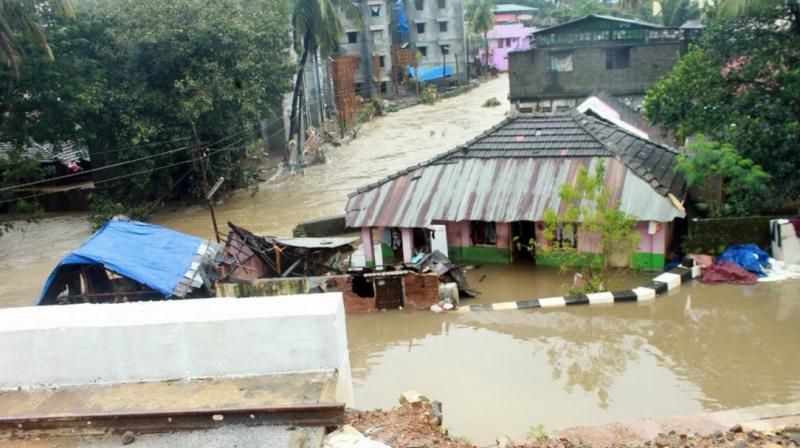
429	94
491	102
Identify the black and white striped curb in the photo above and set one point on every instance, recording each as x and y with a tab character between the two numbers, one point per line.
667	281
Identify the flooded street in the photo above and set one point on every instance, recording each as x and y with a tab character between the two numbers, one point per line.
502	372
384	146
703	348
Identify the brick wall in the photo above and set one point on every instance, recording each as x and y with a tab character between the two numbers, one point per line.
422	291
531	78
715	234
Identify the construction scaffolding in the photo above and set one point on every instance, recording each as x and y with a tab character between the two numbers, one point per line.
402	59
343	68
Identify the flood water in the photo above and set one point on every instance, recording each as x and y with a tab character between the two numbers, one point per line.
702	348
384	145
501	372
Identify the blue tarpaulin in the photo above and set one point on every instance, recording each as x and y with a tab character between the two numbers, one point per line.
748	256
402	22
151	255
431	73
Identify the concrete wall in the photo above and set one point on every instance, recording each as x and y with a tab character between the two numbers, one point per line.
378	36
432	38
172	340
531	79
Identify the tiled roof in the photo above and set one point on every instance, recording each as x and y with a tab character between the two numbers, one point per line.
513	170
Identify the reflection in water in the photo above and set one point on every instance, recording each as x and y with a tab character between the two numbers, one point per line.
700	348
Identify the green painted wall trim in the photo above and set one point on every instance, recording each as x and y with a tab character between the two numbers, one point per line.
479	254
641	260
386	251
370	263
649	261
555	259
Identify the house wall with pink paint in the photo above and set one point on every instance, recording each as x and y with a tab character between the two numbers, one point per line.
505	38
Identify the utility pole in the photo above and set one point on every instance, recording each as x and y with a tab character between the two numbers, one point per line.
201	155
366	51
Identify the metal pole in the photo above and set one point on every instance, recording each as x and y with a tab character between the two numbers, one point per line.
201	157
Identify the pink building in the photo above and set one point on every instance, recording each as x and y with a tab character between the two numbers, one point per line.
504	38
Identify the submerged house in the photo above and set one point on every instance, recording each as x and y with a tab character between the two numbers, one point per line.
496	187
127	261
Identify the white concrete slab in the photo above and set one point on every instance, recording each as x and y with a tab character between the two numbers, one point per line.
171	340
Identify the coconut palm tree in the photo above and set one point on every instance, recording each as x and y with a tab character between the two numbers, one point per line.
20	17
481	22
675	13
316	27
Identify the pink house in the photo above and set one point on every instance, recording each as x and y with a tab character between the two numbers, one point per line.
504	38
482	196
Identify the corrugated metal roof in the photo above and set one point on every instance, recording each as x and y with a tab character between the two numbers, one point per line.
513	172
64	153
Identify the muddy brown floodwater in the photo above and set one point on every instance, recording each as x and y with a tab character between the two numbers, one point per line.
498	372
384	145
701	348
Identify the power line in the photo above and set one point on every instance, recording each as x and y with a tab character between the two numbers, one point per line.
124	176
114	165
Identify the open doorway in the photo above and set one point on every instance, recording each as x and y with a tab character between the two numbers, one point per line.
524	233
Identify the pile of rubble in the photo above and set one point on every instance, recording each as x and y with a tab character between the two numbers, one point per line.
417	423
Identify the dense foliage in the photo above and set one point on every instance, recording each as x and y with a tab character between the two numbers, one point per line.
148	79
675	13
22	17
741	86
730	184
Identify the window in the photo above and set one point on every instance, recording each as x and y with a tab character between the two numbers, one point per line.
419	4
442	27
500	43
618	58
442	4
377	35
420	28
423	51
382	61
375	10
483	233
352	37
561	62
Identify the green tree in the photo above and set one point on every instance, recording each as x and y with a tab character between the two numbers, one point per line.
740	85
316	25
481	22
588	213
738	9
581	8
23	17
675	13
731	184
137	81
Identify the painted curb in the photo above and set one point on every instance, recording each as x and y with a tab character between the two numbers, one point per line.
660	285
